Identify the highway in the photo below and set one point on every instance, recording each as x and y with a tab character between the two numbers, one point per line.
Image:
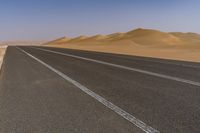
45	89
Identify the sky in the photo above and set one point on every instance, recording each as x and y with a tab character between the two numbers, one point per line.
50	19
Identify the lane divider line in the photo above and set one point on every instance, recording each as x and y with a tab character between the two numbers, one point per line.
143	126
146	59
169	63
127	68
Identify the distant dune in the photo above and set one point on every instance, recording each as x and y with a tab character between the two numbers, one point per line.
94	38
61	40
77	39
142	42
139	36
152	37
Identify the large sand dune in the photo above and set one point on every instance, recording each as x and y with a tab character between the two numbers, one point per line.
142	42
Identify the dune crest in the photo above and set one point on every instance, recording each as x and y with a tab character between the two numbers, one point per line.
152	37
95	38
77	39
188	38
61	40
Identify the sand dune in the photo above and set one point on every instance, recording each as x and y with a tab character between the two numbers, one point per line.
152	37
77	39
142	42
115	36
188	38
140	36
61	40
95	38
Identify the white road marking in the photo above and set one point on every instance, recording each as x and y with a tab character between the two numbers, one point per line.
141	58
164	62
127	68
178	64
99	98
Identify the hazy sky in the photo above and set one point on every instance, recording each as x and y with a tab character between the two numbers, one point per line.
49	19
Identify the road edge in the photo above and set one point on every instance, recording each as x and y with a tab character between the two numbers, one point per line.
3	48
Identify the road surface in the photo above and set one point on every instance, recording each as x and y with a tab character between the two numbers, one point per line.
61	90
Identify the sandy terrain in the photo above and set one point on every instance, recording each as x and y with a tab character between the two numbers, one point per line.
2	52
141	42
22	42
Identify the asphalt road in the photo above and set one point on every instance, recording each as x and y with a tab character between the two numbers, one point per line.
45	90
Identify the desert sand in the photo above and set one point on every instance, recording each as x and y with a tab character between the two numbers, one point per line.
2	52
22	42
140	42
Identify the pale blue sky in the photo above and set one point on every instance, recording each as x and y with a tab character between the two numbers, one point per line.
49	19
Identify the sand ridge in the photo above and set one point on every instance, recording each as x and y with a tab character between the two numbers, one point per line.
140	36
